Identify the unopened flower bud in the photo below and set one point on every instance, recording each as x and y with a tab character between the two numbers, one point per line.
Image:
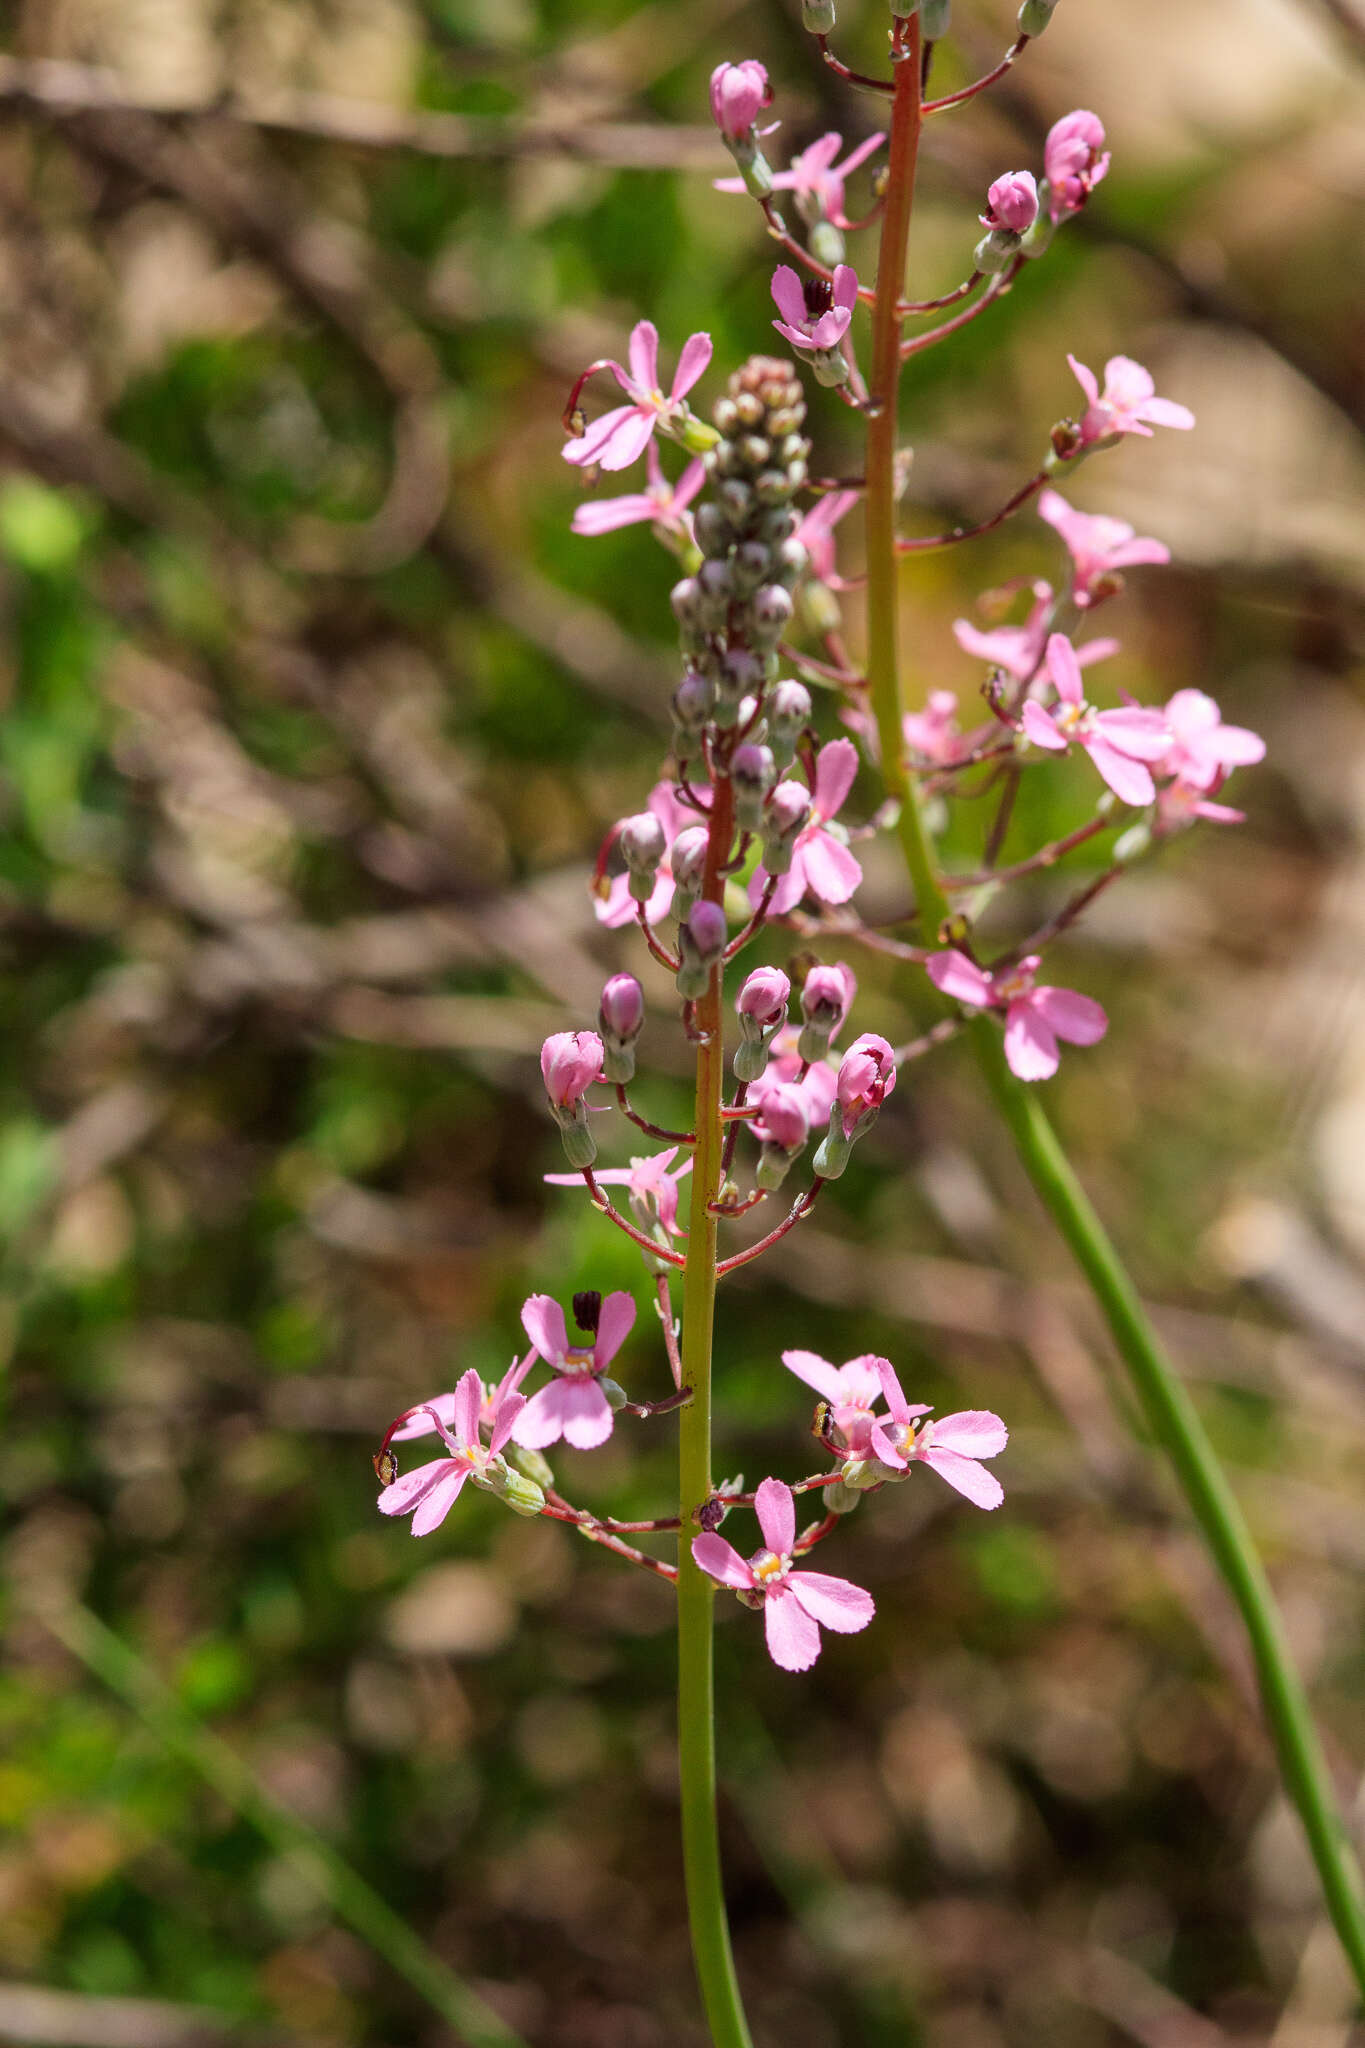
786	813
688	862
711	528
692	702
753	772
789	713
686	600
739	93
521	1494
867	1075
826	1000
840	1499
1035	15
570	1061
827	245
642	841
834	1150
791	562
934	18
533	1465
701	942
995	252
770	611
736	499
817	17
761	1006
616	1395
749	566
620	1019
1012	203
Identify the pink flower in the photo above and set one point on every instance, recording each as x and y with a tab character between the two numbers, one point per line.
1203	750
431	1491
852	1390
796	1604
764	995
867	1075
570	1061
662	502
785	1116
620	436
1118	742
1098	545
1011	203
1019	650
1072	161
648	1179
572	1405
827	995
816	534
952	1445
1035	1018
739	93
617	906
933	733
422	1421
815	315
815	178
1127	404
821	863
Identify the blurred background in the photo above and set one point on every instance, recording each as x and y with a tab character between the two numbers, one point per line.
314	715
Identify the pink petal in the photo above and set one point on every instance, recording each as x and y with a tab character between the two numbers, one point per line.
860	155
468	1401
832	873
1086	379
586	1411
1064	668
1076	1018
696	354
845	295
688	484
793	1638
1040	729
895	1394
541	1421
722	1561
412	1488
628	440
836	766
860	1380
614	1326
509	1408
822	152
1095	650
835	1603
967	1476
816	1372
605	515
1236	746
433	1509
789	297
796	336
830	329
444	1404
959	977
1135	731
1190	712
790	889
1128	779
589	448
776	1511
1130	554
644	355
1030	1046
543	1321
975	1432
1164	412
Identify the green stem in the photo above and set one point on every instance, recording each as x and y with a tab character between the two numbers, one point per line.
345	1891
696	1594
1170	1412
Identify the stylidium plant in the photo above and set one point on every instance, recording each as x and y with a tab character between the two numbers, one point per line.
749	832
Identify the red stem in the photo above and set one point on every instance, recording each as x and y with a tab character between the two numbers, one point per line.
649	1244
929	541
969	92
802	1207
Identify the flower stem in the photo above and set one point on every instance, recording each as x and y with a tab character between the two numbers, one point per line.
1169	1410
696	1597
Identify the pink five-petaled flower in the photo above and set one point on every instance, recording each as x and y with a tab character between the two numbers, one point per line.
739	93
867	1075
570	1061
784	1064
815	179
953	1445
615	441
660	501
1203	750
431	1491
572	1405
1127	405
1118	742
816	534
933	734
1035	1018
1072	162
1098	545
648	1179
1011	203
431	1414
796	1604
821	863
815	316
852	1390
